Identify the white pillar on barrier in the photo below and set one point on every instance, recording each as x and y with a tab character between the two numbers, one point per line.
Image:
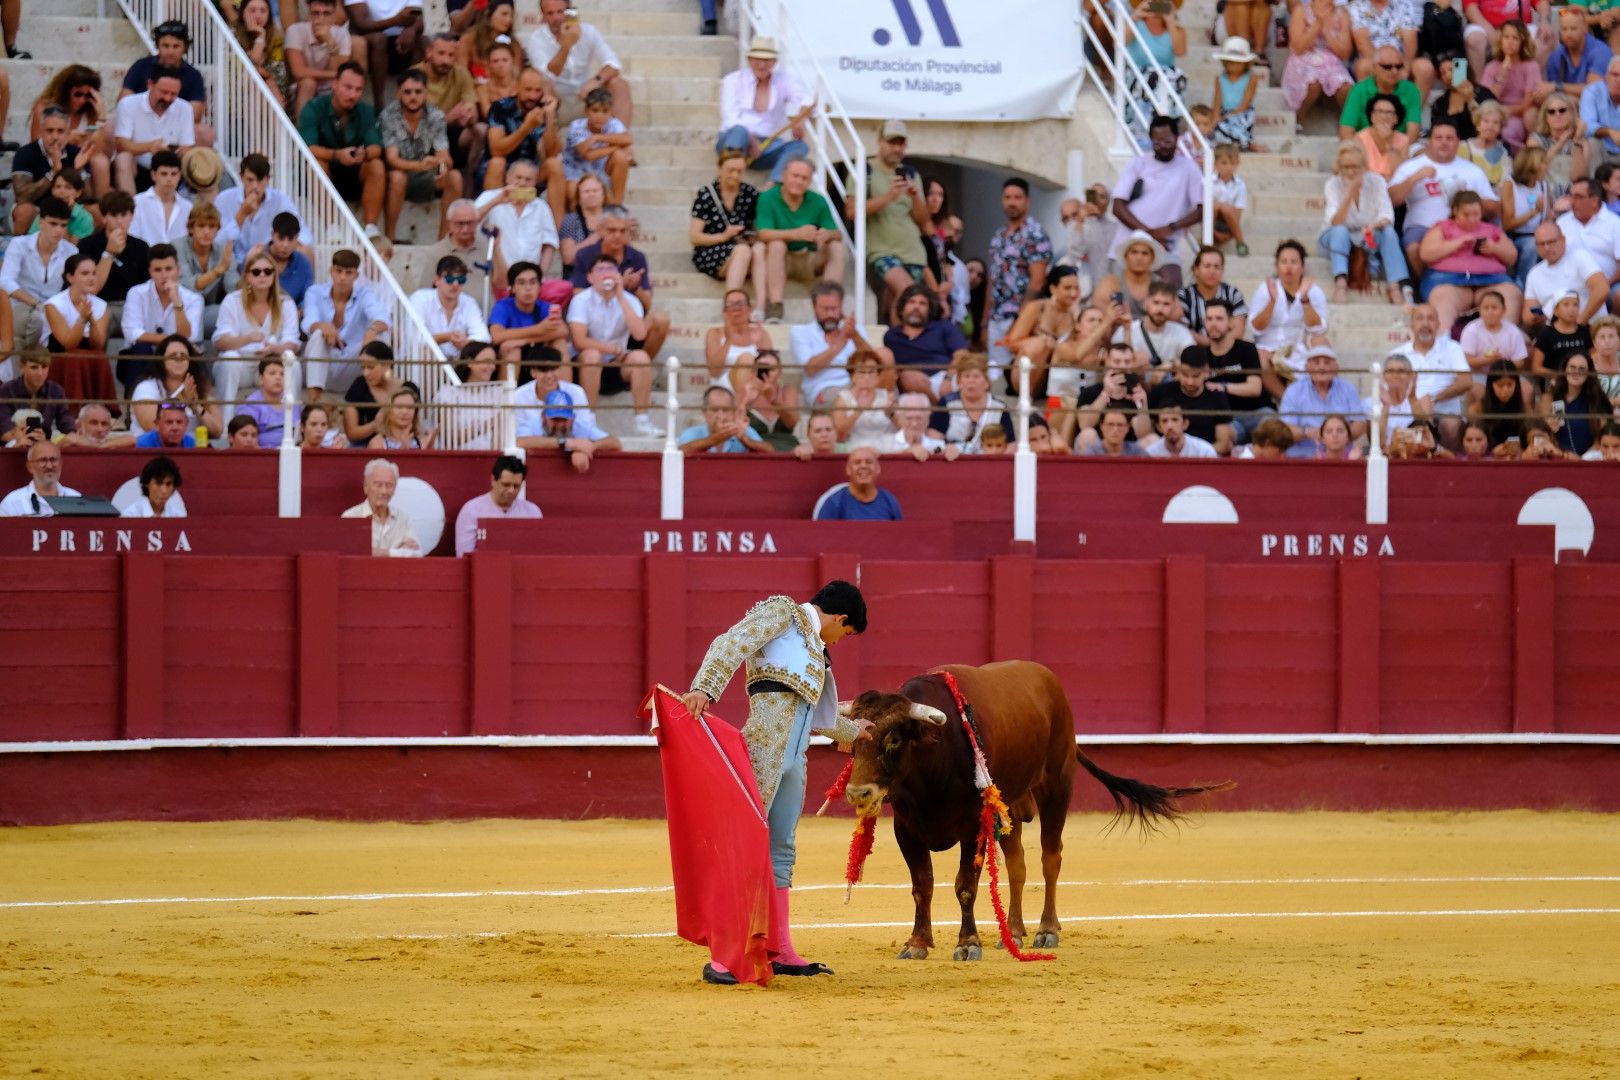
672	486
290	487
1023	462
1377	463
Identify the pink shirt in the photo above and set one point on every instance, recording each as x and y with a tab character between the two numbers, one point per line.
1466	261
484	507
1516	85
1508	341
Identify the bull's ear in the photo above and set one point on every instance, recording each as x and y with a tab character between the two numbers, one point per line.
927	713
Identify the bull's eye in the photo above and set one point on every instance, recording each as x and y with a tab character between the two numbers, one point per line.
891	744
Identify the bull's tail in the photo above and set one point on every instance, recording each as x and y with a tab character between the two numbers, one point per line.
1145	805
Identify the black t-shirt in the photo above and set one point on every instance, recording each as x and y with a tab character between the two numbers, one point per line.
1170	393
1236	364
1441	32
128	269
33	160
1558	346
1090	394
192	87
359	395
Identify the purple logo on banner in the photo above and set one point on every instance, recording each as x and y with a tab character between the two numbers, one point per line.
913	29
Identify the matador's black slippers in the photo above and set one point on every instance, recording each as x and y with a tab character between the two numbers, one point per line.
718	978
800	969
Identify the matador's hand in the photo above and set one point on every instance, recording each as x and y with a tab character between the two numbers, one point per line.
696	702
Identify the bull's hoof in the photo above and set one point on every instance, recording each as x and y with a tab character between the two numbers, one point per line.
968	952
1046	939
1018	940
913	952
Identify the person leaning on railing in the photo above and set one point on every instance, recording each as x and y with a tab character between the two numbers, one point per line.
551	413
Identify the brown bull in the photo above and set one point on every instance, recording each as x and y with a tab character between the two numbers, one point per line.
916	757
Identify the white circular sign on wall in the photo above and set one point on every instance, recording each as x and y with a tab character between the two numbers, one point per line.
1566	512
1200	504
423	506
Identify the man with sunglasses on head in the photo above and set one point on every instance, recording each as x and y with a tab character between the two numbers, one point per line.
1387	77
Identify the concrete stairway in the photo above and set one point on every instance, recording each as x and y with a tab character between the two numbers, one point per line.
1285	198
674	75
59	33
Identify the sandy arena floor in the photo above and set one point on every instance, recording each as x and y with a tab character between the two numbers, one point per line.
1249	945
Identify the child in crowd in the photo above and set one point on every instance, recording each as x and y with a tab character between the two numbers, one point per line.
1525	206
597	144
67	184
993	440
1204	120
1490	338
1235	88
1231	199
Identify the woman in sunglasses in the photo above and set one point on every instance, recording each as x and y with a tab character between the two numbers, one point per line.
76	90
255	321
1560	133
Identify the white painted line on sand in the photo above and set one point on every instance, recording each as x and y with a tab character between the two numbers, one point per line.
1193	916
642	890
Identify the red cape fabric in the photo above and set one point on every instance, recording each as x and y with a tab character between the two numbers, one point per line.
719	840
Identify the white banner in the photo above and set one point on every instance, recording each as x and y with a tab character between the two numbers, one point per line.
946	59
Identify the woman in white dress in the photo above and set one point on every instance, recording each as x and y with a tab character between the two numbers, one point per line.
1288	313
160	491
730	348
182	378
255	321
863	410
463	408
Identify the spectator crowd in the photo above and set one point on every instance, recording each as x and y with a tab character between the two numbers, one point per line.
1477	175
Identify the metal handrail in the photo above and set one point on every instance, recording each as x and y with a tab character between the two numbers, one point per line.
1124	73
248	119
831	133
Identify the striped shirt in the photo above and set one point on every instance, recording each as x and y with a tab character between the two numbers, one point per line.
1192	302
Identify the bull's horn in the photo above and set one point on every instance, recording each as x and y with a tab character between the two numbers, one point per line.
846	708
928	713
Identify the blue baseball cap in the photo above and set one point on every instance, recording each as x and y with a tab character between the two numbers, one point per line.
559	406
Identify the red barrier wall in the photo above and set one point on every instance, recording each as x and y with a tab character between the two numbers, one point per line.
1084	490
148	646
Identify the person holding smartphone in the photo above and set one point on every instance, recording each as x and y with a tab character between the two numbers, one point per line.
896	215
1464	255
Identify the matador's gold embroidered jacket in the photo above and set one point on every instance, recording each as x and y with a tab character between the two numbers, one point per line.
778	639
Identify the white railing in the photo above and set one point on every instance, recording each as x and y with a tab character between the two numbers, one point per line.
829	133
246	120
1134	110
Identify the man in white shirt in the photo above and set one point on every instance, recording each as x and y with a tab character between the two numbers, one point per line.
824	345
504	499
45	467
1156	339
450	314
1443	375
32	273
1564	267
1174	442
911	416
1425	185
551	413
341	316
757	102
149	122
526	229
576	58
246	212
391	530
160	212
1591	226
602	319
153	310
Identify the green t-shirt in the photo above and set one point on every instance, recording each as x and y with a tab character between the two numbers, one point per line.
774	213
891	231
1361	95
80	224
319	125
